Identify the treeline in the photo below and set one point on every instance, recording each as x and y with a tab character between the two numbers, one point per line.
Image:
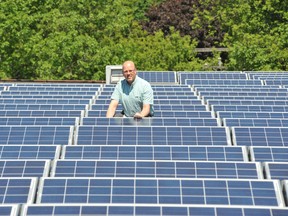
76	39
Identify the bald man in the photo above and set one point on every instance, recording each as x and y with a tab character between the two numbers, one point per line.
134	93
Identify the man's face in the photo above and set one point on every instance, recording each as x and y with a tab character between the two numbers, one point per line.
129	72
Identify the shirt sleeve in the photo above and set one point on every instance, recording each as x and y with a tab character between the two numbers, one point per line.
148	94
116	95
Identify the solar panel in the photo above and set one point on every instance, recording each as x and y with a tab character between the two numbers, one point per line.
42	113
223	82
260	136
36	135
250	108
54	88
268	154
137	210
150	121
158	76
193	107
17	190
158	93
9	121
9	210
240	114
157	97
156	169
182	76
24	168
81	97
43	107
160	191
145	152
30	151
170	135
248	102
158	113
269	81
239	89
254	98
160	101
62	85
45	101
47	92
244	122
249	94
276	170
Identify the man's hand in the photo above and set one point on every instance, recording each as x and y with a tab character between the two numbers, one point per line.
138	116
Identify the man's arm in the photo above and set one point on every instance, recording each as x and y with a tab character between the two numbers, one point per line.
112	108
144	112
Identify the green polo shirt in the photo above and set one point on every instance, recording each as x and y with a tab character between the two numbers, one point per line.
132	97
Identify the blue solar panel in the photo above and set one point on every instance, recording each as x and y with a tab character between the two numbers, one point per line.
29	151
9	121
81	97
248	102
222	82
249	94
62	85
150	121
245	122
185	153
271	154
160	101
192	107
250	108
240	114
160	191
140	210
35	135
260	136
45	101
16	190
276	82
42	113
240	89
159	113
156	169
42	93
254	98
43	107
276	170
24	168
53	88
9	210
158	76
170	135
182	76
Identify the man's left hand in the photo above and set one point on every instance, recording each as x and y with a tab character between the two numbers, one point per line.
138	116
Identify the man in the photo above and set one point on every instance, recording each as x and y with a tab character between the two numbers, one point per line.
134	93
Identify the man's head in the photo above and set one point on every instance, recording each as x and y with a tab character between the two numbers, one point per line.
129	71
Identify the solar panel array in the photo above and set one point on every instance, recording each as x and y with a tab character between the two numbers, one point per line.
217	145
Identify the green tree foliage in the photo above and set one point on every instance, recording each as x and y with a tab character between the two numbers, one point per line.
196	18
76	39
256	34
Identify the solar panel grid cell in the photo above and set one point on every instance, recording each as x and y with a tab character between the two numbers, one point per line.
42	113
260	136
150	121
36	135
155	169
138	210
24	168
269	154
90	135
160	191
245	114
246	122
185	153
